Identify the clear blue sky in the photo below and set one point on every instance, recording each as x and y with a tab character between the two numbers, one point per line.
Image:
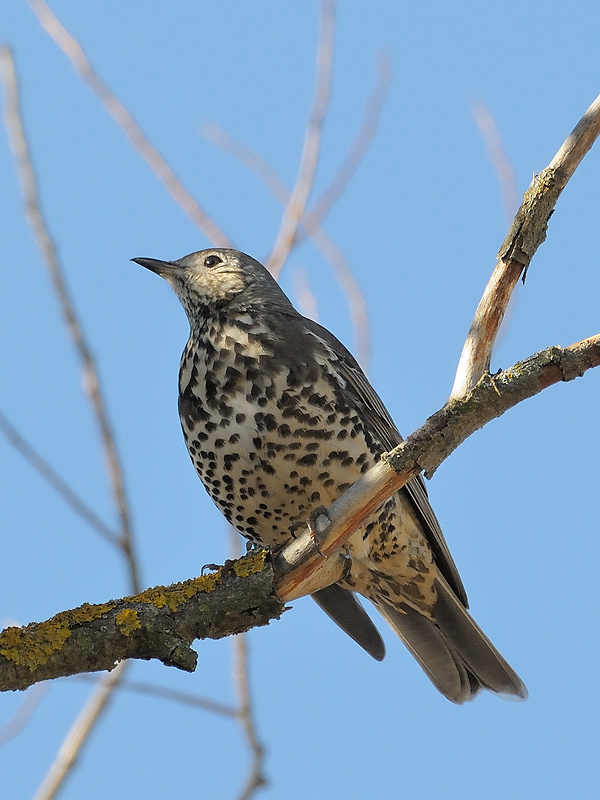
420	224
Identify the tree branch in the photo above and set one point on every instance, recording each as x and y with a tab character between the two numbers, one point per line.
70	749
162	622
155	160
526	234
159	623
91	378
296	206
297	566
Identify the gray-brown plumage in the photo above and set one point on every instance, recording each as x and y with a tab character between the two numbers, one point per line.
279	419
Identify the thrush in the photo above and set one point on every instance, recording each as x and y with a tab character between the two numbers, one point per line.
279	420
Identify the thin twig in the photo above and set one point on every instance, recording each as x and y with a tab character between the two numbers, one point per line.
255	778
315	217
51	476
74	52
94	707
354	295
296	206
185	698
526	234
305	297
31	701
245	712
91	378
77	736
498	158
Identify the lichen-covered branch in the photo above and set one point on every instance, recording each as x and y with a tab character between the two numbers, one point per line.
161	623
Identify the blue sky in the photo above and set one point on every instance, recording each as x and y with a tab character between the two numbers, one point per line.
420	225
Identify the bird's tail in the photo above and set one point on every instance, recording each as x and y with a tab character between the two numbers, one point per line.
455	653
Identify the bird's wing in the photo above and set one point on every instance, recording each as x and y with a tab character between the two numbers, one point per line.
382	425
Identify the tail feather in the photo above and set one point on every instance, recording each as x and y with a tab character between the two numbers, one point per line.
346	610
452	649
473	646
431	648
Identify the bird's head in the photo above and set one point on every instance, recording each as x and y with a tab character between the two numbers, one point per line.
216	278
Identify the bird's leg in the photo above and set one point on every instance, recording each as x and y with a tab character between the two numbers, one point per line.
253	547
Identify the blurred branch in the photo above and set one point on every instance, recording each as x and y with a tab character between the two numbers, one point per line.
306	300
245	711
185	698
314	217
255	778
96	704
72	745
498	158
331	251
526	234
296	205
91	378
74	52
162	622
49	474
24	713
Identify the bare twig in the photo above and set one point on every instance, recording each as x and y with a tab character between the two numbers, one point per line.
314	217
28	706
91	378
526	234
93	709
498	158
255	778
331	251
74	52
354	294
296	206
245	711
185	698
306	300
51	476
77	736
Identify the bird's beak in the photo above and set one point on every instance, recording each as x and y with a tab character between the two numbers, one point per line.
162	268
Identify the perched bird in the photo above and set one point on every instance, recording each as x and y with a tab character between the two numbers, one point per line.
279	419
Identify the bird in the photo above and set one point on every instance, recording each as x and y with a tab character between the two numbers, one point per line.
279	420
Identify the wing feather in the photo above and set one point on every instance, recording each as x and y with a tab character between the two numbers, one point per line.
382	425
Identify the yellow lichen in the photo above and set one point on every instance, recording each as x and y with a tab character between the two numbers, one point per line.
250	565
128	621
33	645
173	596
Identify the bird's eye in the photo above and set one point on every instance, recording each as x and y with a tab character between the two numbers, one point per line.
212	261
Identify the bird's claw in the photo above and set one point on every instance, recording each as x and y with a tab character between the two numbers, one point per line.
317	531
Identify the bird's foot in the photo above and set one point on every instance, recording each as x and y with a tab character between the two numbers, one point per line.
210	567
253	547
318	524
